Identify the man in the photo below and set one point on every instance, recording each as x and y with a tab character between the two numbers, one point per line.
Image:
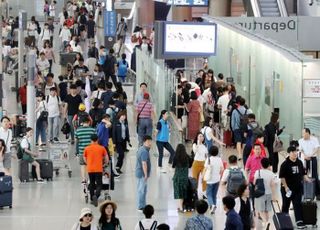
233	221
143	90
65	36
292	174
32	29
143	169
95	156
6	135
200	221
83	137
253	164
309	146
91	29
230	176
23	97
43	64
81	71
110	66
53	106
72	101
145	115
121	29
107	96
236	116
49	84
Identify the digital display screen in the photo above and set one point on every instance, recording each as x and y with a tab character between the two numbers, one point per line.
188	2
191	39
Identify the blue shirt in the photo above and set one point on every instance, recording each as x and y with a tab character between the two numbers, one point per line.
103	134
143	155
163	131
199	222
106	97
235	117
233	221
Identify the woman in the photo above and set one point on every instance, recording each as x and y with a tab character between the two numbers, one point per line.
97	76
271	130
122	68
122	94
193	108
244	207
45	34
2	152
180	177
48	52
41	123
208	133
108	220
162	139
177	103
78	57
120	137
85	221
207	80
96	113
200	154
216	165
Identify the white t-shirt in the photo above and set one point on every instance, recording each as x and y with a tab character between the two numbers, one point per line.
200	152
97	94
31	29
42	106
308	146
146	223
208	131
216	164
24	143
6	50
65	35
224	101
6	135
226	172
53	106
267	176
42	65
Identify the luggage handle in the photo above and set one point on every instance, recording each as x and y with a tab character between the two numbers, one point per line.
275	201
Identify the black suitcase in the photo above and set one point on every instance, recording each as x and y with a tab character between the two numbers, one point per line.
309	212
309	189
23	171
46	169
6	191
192	195
281	220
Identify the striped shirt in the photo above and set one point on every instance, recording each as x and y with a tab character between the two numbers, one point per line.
83	134
146	110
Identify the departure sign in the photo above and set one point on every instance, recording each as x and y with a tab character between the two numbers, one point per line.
188	2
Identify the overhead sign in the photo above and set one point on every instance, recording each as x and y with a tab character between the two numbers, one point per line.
188	2
110	23
311	88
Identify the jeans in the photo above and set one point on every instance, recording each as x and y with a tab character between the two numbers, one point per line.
70	117
120	146
314	171
53	127
41	130
141	192
296	199
50	68
168	147
212	190
95	184
144	128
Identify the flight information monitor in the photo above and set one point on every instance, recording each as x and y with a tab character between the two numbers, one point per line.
188	2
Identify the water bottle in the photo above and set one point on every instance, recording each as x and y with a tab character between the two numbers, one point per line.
289	193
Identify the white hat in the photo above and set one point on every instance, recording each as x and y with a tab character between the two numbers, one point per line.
84	211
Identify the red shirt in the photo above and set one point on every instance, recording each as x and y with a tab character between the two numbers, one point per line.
23	94
253	164
263	150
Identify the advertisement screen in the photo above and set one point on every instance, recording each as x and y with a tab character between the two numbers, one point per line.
190	39
188	2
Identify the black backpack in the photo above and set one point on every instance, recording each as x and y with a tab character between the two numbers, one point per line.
153	226
66	128
80	118
243	120
235	179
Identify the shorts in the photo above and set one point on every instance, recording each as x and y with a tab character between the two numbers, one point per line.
7	160
263	203
238	136
81	160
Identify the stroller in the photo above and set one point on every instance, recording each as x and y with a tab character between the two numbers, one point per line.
192	195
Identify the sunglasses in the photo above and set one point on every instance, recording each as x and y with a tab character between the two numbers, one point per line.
87	215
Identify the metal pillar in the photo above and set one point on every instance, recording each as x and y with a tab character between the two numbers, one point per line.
31	94
1	70
22	28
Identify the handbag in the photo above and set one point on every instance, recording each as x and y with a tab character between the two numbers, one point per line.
44	114
207	172
277	144
259	189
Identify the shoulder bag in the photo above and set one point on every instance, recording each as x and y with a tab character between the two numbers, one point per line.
139	115
259	189
44	114
277	145
207	172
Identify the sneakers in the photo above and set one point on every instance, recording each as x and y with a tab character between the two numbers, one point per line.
213	209
72	142
140	210
94	201
40	181
116	176
119	171
301	225
56	139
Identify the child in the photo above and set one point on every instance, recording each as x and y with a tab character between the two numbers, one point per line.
148	222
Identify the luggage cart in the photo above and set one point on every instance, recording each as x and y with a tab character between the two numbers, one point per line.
59	154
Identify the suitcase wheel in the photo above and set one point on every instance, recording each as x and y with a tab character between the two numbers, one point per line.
87	199
57	172
10	206
69	174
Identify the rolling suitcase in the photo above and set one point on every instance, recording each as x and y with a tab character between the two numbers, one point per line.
23	172
227	138
281	220
309	190
46	169
309	213
6	191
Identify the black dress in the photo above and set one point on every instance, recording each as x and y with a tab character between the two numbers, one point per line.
245	212
270	131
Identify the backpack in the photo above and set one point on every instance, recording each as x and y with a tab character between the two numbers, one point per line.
80	118
66	128
47	99
235	179
255	131
153	226
243	125
20	150
96	116
122	68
